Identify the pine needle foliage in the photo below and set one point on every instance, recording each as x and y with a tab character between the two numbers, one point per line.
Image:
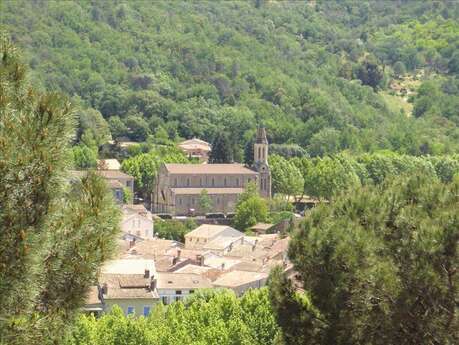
379	266
53	234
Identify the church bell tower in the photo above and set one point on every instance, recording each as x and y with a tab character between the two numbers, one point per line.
260	162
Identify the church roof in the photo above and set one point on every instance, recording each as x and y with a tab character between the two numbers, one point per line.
210	191
209	169
261	136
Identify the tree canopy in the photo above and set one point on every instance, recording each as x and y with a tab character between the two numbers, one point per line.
312	72
379	266
45	267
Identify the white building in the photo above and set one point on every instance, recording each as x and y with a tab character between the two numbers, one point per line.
137	221
175	286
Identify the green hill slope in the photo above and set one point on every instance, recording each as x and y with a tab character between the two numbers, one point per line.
196	68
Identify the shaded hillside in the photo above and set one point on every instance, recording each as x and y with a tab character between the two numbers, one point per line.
192	69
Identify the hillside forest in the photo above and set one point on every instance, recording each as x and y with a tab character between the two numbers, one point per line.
322	76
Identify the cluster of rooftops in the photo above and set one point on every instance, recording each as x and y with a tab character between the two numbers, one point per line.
151	271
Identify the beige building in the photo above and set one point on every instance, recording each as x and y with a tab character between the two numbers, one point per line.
137	221
241	281
205	234
174	287
134	293
108	164
196	148
179	186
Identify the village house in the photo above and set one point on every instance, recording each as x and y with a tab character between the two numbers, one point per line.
241	281
175	286
108	164
133	293
137	221
128	284
178	187
196	148
203	235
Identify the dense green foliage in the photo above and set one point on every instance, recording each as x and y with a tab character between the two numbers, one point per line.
222	151
176	230
209	317
251	208
45	267
144	166
327	176
205	202
378	266
188	69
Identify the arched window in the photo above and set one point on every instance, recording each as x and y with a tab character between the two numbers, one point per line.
263	153
259	152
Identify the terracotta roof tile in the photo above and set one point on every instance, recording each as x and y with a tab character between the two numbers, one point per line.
198	169
210	191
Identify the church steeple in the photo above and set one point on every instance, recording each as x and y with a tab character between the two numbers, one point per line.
260	152
260	149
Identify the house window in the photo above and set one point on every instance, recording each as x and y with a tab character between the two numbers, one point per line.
191	291
213	182
178	292
164	299
130	310
175	182
128	183
187	182
224	181
200	181
237	182
178	298
146	310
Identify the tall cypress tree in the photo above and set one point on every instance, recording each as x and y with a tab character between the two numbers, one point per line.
222	151
53	234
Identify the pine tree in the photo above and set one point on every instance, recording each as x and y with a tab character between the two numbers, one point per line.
221	150
378	266
53	234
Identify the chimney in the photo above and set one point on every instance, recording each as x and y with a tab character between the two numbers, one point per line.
147	274
153	283
200	260
178	253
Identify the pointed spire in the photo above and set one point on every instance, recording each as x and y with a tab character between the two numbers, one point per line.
261	136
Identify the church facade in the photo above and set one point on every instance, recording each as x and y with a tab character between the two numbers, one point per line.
178	187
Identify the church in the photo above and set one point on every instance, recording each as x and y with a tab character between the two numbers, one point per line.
178	187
